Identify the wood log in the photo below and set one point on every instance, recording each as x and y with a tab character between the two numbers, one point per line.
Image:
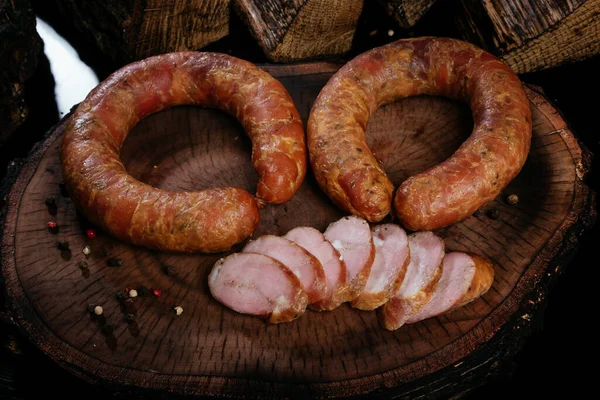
407	12
292	30
20	49
531	35
125	31
211	350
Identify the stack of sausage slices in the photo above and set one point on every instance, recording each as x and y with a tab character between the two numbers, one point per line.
408	278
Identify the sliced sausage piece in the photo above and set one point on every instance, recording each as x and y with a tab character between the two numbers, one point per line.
315	243
389	267
351	236
255	284
422	275
304	265
464	278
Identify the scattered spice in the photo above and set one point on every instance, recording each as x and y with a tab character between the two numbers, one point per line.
90	233
63	245
50	203
63	189
133	293
156	292
494	214
122	296
178	310
129	305
128	289
130	318
373	33
390	32
114	262
91	307
86	250
83	265
143	291
512	199
98	310
53	226
169	270
478	213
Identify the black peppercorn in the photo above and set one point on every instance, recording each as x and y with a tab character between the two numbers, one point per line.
63	245
114	262
122	296
129	306
83	265
143	291
494	214
169	270
63	189
130	318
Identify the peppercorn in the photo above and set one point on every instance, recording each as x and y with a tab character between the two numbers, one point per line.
98	310
494	214
50	203
91	307
63	245
86	250
133	293
512	199
90	233
114	262
156	292
122	296
477	213
130	318
53	227
129	305
83	265
169	270
63	189
143	291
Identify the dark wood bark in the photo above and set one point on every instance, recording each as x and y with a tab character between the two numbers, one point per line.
407	12
210	350
531	35
125	31
294	30
20	48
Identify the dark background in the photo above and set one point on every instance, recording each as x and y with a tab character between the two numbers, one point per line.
557	356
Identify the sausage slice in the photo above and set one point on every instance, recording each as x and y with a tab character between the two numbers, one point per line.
315	243
389	267
304	265
351	236
422	275
255	284
464	278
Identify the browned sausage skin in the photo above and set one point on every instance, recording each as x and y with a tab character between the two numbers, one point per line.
451	191
211	220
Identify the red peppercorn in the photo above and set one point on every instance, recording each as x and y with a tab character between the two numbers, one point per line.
90	233
53	226
156	292
129	289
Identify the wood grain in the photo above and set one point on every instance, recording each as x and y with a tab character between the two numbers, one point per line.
210	350
126	31
531	35
407	12
294	30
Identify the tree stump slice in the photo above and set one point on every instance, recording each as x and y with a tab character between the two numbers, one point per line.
211	350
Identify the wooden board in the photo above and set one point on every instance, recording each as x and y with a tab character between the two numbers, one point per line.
210	350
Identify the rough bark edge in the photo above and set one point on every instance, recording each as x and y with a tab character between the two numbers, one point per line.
494	339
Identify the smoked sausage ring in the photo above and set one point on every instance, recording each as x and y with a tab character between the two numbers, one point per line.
211	220
476	173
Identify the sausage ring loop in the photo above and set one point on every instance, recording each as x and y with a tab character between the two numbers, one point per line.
476	173
210	220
